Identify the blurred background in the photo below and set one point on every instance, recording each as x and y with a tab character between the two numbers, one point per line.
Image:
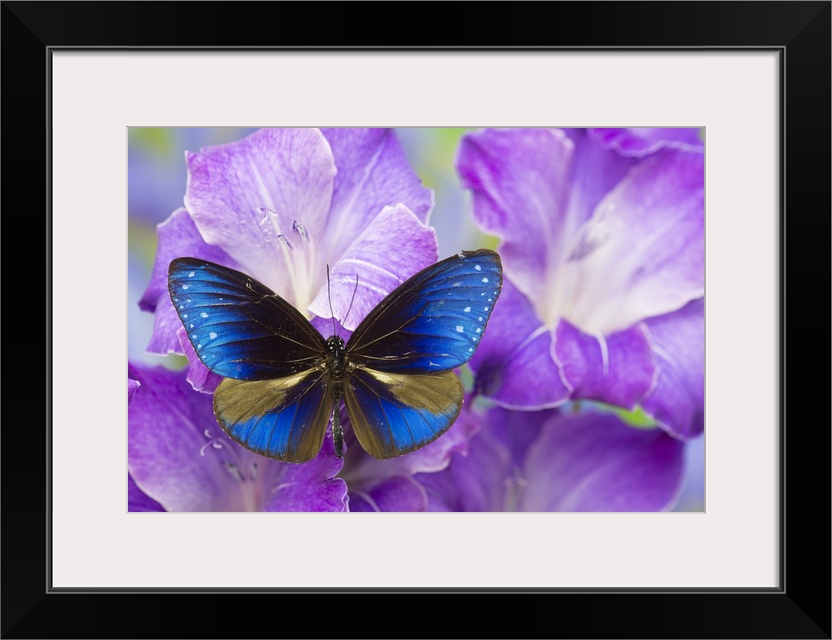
157	177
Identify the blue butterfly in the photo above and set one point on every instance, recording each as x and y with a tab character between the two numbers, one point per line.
283	380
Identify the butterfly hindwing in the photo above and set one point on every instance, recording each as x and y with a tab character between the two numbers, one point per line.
434	320
238	327
283	418
394	413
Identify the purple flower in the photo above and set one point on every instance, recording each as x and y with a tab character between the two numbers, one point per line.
550	460
602	242
179	459
282	205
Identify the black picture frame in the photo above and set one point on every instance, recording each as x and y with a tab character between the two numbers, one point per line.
798	608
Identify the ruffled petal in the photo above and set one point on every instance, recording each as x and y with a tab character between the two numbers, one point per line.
618	368
519	179
678	401
132	387
178	237
637	143
594	462
311	486
373	173
513	365
199	376
246	196
392	248
394	494
642	253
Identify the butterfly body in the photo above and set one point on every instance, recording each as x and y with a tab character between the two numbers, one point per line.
284	381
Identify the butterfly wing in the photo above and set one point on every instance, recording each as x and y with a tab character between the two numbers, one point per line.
284	418
401	392
275	399
238	327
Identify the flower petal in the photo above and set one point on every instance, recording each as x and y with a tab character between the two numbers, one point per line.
132	387
635	142
289	172
516	430
520	184
595	171
618	368
179	456
373	173
199	376
178	237
642	253
678	401
477	481
364	470
138	500
594	462
513	365
167	453
312	486
394	494
392	248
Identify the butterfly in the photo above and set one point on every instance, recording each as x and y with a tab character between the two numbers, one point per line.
283	381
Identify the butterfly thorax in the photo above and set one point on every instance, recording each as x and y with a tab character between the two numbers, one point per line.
336	359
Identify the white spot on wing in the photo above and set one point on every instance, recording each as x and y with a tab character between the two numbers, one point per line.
192	274
467	309
485	279
203	315
477	267
213	335
186	286
459	328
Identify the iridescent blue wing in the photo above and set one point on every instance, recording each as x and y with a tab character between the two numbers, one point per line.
394	413
238	327
434	320
401	393
285	418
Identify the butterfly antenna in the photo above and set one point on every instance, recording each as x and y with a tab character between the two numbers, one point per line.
329	295
351	299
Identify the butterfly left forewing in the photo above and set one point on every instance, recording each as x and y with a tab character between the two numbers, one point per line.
401	392
238	327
